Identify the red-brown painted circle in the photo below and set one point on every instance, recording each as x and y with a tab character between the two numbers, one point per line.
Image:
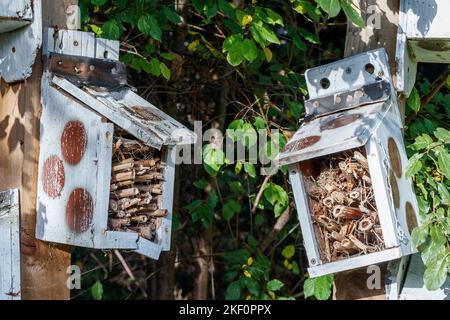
53	176
394	157
301	144
73	142
411	219
394	189
79	210
340	122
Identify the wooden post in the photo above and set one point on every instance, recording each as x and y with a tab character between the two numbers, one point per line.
43	265
381	18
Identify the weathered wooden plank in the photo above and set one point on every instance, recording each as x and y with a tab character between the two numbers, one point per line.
15	14
9	245
19	48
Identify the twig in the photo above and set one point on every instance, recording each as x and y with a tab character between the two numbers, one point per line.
279	225
124	264
100	264
260	193
436	86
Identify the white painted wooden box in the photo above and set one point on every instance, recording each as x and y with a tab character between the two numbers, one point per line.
423	36
9	245
77	127
352	105
15	14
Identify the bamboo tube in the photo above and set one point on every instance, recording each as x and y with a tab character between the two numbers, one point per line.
139	219
122	166
127	192
123	176
159	213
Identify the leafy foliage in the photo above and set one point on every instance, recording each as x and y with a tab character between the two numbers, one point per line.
429	165
246	62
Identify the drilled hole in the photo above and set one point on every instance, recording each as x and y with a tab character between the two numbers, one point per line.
348	70
13	49
325	83
105	54
75	43
369	68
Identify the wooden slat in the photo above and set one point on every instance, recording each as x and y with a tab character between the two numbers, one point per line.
9	245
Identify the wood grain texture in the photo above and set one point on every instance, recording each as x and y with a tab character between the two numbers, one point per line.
352	284
43	265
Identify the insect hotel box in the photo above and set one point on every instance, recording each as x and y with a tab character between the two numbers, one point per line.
9	245
423	36
107	157
347	168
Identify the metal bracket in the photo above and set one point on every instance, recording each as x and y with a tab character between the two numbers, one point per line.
79	43
371	93
348	74
88	71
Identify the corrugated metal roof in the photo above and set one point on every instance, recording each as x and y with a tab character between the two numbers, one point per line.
131	112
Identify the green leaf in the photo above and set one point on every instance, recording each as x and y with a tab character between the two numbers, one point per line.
248	135
414	165
319	287
259	123
226	8
413	100
435	275
233	291
442	134
288	251
422	142
230	208
97	291
263	35
111	30
250	169
98	2
351	13
332	7
170	14
164	70
167	55
308	36
96	29
444	163
444	193
273	17
213	159
201	184
234	56
277	197
298	42
149	25
249	51
238	167
419	236
274	285
252	285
